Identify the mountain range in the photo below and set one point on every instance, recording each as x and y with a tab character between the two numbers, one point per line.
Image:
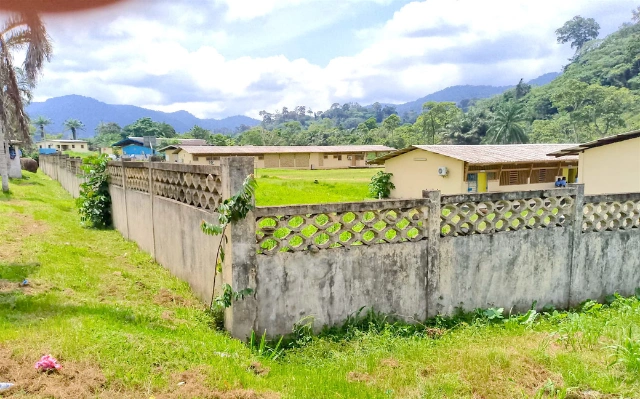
92	112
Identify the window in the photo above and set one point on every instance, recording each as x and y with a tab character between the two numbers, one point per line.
545	176
81	145
40	145
260	157
326	157
349	157
514	177
359	157
73	146
195	158
492	176
57	145
338	157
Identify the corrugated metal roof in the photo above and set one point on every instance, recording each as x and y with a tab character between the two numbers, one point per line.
252	150
569	150
487	154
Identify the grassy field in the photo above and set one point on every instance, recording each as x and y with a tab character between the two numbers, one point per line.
288	187
122	327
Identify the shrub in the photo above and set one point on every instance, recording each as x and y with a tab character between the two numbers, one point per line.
381	185
94	203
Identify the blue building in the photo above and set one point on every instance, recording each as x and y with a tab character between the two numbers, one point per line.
134	146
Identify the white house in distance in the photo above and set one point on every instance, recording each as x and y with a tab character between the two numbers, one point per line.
285	157
65	145
460	169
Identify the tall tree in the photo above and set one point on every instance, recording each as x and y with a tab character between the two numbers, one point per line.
435	117
578	31
197	132
73	125
507	125
20	31
40	122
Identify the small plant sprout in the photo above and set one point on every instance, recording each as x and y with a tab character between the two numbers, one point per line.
381	185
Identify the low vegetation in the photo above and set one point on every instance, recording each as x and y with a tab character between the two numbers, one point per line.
122	327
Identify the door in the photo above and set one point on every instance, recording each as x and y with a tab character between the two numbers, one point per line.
482	182
472	183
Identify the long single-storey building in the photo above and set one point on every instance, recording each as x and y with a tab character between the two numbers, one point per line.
64	145
289	157
459	169
610	165
135	146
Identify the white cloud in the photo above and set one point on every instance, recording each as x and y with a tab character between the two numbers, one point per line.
173	59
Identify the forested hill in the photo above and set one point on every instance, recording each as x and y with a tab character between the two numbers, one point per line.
461	94
596	95
92	112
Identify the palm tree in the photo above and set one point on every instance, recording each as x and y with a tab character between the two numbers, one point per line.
74	125
40	122
506	127
21	30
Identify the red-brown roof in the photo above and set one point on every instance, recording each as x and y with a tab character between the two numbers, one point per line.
252	150
488	154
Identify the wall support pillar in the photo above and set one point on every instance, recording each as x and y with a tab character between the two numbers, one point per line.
433	250
239	267
576	232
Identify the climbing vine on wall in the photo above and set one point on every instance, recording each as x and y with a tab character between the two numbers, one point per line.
94	203
230	211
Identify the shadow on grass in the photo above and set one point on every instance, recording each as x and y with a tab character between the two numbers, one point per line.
18	309
17	271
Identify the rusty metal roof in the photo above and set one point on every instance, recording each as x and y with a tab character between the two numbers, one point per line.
487	154
252	150
576	149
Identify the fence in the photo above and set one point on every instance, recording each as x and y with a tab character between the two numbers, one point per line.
411	258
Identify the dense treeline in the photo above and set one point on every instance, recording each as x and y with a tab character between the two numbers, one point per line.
595	96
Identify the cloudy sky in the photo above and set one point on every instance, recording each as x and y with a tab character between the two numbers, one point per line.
217	58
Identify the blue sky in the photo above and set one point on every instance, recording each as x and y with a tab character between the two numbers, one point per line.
217	58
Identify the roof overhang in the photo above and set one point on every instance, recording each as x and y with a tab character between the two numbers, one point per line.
596	143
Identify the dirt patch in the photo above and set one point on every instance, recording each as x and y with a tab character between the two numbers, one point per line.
32	288
23	227
390	362
73	381
166	297
258	369
355	376
191	384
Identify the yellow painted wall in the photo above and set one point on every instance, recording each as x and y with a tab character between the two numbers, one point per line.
285	161
411	176
613	168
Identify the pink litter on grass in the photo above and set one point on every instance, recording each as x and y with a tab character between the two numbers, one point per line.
47	363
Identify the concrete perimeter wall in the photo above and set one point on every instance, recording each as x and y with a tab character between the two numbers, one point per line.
412	259
160	206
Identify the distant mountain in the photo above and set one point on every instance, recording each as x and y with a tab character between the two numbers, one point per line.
91	112
467	92
544	79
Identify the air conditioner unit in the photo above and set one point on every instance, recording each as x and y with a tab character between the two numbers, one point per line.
443	171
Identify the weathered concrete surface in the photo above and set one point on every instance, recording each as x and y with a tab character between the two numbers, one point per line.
119	210
608	262
331	284
140	220
509	270
183	248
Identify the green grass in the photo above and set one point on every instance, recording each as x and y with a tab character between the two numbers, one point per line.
96	302
78	154
290	187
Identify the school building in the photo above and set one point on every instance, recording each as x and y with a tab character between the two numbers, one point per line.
610	165
459	169
285	157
